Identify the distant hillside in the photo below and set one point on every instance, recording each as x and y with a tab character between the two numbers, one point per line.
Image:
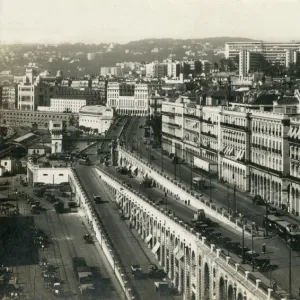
72	58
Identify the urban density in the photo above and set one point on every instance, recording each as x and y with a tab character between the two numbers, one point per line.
172	175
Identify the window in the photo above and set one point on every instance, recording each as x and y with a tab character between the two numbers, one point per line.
61	175
45	174
5	163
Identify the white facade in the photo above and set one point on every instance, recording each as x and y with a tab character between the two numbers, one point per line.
56	128
53	175
8	164
96	117
69	105
150	70
273	52
128	99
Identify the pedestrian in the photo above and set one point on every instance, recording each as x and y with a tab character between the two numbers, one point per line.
263	248
43	246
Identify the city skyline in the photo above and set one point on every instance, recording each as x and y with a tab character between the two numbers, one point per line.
96	22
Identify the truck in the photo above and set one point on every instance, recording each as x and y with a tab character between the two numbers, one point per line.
206	165
59	207
83	275
200	218
146	182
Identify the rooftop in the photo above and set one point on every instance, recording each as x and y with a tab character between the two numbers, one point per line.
24	137
95	109
38	146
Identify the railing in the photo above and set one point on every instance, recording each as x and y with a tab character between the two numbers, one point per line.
244	128
208	134
279	173
240	270
115	260
191	116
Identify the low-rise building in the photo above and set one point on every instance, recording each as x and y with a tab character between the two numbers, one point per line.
39	119
96	117
9	164
38	149
67	105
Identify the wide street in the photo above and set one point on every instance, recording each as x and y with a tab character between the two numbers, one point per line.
127	246
66	241
277	250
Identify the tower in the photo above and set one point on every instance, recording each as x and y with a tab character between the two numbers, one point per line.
56	129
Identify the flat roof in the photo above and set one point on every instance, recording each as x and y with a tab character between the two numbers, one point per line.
24	137
95	109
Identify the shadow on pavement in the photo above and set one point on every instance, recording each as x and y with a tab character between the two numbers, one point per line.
17	241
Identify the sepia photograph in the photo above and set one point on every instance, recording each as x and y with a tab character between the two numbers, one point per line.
150	150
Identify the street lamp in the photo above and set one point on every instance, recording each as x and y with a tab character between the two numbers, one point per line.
243	241
290	268
209	187
266	223
252	246
191	174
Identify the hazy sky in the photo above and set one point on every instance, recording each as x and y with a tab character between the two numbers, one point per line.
96	21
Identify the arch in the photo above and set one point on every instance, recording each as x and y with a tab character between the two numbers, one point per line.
240	297
206	282
230	293
222	289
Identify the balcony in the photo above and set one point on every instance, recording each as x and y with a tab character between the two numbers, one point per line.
296	179
191	116
172	124
208	148
265	148
233	126
171	136
294	140
208	121
267	170
167	113
208	134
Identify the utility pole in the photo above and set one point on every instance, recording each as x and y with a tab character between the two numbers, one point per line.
267	225
290	270
209	187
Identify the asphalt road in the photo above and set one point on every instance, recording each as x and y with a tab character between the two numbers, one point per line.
66	235
277	250
128	248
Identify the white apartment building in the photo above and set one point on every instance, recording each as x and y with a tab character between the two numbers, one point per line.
269	160
248	61
96	117
128	98
173	69
284	53
235	147
150	70
256	162
66	105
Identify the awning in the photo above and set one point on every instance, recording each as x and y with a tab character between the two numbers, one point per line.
293	132
176	250
156	247
179	255
148	238
290	131
242	154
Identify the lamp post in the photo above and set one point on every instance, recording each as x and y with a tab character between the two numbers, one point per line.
228	200
209	187
191	174
252	246
234	198
266	223
162	160
290	269
243	241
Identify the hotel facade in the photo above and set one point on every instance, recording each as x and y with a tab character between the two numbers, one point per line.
256	151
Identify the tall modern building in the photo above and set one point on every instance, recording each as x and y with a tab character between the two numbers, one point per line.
284	53
128	98
248	61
